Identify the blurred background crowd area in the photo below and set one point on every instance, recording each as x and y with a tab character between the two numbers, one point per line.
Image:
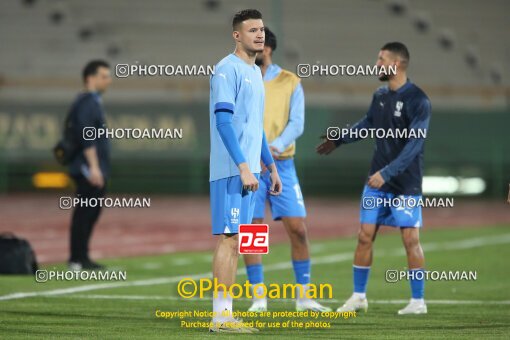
459	56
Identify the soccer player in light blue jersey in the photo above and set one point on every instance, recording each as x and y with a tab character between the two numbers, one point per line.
238	144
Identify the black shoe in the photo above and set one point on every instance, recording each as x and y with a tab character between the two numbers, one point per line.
75	266
89	264
85	265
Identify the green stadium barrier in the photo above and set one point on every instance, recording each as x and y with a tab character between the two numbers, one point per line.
459	143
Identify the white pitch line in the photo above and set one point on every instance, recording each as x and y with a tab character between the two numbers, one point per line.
181	262
317	248
462	244
85	288
177	298
151	265
446	302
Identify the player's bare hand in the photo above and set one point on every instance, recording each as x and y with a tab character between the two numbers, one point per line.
326	147
249	180
276	183
96	177
274	152
376	180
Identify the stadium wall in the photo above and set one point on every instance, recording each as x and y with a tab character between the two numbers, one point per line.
459	143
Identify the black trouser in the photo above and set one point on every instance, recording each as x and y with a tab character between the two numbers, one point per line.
84	218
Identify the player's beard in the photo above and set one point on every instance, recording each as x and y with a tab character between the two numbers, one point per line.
385	76
254	51
258	50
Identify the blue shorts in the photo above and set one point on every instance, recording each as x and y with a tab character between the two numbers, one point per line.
385	208
290	202
230	205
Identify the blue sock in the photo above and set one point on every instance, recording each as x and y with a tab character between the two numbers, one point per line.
302	271
360	275
417	282
255	273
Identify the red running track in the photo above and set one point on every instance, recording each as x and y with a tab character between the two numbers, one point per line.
174	224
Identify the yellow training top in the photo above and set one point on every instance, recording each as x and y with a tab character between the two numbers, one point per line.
277	107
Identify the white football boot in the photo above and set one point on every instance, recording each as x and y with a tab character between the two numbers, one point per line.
310	304
353	304
304	303
259	304
415	306
230	325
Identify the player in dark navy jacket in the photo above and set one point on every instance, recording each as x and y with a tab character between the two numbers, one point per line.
90	169
399	161
393	189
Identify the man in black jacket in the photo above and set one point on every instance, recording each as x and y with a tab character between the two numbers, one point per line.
91	166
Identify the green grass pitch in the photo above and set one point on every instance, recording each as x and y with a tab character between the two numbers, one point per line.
126	310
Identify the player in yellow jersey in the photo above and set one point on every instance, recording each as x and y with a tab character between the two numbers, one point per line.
284	117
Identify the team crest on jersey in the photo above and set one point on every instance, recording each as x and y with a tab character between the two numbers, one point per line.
234	212
398	108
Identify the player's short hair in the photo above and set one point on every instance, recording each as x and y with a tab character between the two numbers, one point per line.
399	49
243	15
270	39
91	68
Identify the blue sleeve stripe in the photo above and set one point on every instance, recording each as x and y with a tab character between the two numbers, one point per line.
223	110
224	105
